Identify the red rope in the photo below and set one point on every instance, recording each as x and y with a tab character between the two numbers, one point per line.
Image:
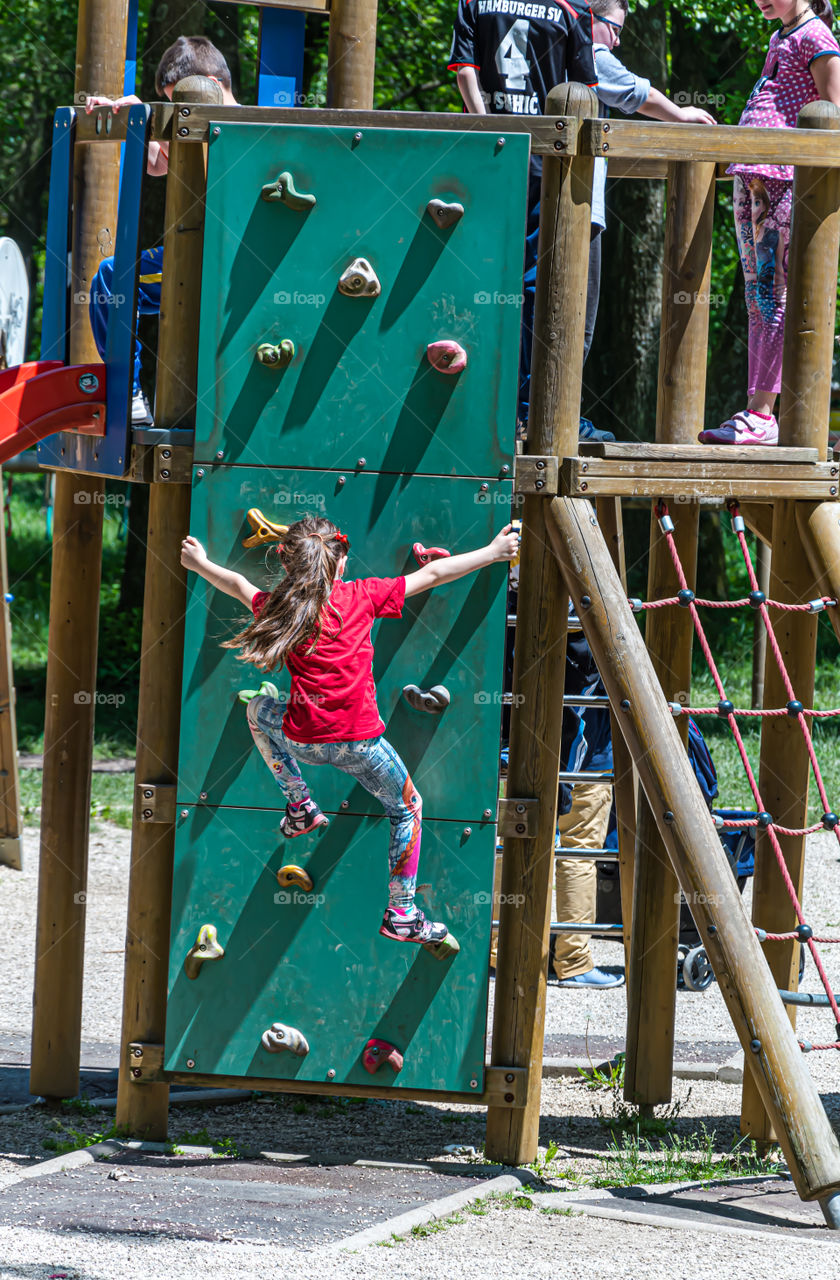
792	937
662	511
738	604
744	711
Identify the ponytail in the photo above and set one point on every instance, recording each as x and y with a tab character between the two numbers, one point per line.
293	615
822	9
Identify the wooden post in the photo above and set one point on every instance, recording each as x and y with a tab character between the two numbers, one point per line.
803	420
747	986
74	612
351	54
624	771
762	573
143	1111
10	819
540	656
651	979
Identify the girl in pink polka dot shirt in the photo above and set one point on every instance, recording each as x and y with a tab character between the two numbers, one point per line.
802	64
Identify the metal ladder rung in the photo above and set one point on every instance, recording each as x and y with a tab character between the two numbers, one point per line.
599	855
564	926
607	776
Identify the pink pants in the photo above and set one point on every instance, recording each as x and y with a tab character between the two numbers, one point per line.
762	226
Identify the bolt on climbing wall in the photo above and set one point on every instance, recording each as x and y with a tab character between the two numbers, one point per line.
358	358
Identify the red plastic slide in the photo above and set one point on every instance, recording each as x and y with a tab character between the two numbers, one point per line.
44	396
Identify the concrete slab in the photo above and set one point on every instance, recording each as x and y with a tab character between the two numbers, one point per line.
179	1197
756	1206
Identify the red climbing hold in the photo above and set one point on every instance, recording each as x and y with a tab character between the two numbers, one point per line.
424	555
446	356
378	1051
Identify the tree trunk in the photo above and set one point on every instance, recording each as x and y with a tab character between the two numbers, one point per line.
621	374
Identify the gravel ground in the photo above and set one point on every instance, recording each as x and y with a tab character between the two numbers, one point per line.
509	1240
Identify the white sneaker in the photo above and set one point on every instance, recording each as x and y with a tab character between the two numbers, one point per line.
743	428
141	414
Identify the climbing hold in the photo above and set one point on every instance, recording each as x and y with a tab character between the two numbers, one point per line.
283	190
264	530
266	689
359	280
443	950
445	215
278	356
205	947
292	874
434	700
378	1052
279	1037
446	356
423	555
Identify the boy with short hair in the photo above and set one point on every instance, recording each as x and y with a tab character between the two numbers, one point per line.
188	56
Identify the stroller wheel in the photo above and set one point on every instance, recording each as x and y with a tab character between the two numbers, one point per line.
697	973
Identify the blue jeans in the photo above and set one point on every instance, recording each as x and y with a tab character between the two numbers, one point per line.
374	764
148	300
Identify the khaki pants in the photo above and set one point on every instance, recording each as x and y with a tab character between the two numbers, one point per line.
584	827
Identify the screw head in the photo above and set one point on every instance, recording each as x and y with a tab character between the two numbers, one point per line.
625	704
202	795
668	816
586	602
183	133
755	1045
190	1063
164	475
185	813
331	1072
345	804
216	132
487	815
147	813
357	137
220	453
200	471
482	488
341	480
361	463
509	1077
505	469
500	142
467	831
473	1084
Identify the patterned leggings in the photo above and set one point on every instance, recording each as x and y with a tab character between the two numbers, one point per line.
762	226
373	762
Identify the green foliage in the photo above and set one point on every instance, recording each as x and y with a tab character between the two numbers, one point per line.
612	1078
76	1139
695	1158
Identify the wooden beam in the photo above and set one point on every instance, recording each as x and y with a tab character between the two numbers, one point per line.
143	1112
701	143
803	420
351	54
74	616
771	1050
651	987
10	819
540	653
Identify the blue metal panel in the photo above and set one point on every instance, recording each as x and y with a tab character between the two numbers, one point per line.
130	79
108	455
280	72
54	325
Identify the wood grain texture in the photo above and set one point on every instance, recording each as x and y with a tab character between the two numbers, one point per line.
747	986
703	144
540	653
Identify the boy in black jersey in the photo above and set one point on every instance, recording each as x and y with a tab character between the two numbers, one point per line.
508	54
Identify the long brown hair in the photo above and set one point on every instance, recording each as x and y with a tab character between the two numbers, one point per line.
294	613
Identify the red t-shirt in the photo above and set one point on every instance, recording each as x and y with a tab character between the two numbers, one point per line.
333	697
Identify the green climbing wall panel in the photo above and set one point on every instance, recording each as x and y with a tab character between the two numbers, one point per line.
360	384
451	636
317	962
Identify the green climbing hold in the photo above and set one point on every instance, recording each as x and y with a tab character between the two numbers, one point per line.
266	689
283	189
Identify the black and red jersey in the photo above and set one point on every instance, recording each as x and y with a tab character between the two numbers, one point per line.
521	50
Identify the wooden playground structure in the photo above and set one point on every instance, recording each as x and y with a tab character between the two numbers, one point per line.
571	547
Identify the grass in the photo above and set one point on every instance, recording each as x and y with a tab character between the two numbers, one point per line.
75	1140
111	798
635	1160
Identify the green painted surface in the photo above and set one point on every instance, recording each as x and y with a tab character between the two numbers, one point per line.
317	962
452	636
360	383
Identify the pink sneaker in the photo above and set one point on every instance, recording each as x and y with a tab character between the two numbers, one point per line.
743	427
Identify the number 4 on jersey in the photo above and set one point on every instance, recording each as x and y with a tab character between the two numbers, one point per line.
511	62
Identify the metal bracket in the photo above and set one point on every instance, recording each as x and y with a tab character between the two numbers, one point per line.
536	476
160	463
518	818
145	1063
156	801
505	1087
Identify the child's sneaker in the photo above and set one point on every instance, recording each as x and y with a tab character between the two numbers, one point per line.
301	818
744	427
416	928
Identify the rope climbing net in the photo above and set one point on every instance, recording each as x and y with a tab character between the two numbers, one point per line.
725	710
